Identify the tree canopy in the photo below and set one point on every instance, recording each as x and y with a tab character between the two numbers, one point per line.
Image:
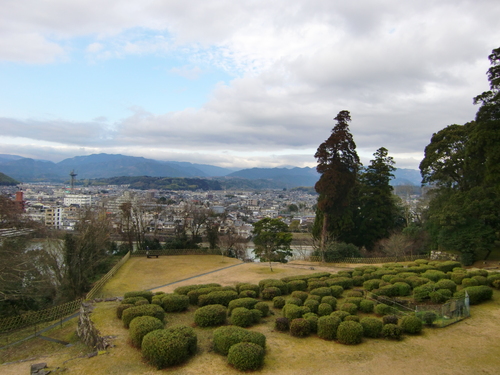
272	240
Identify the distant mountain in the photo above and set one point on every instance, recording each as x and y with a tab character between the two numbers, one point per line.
288	178
7	181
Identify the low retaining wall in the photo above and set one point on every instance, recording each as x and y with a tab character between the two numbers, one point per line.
88	333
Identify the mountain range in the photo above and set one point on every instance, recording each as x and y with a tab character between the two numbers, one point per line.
98	166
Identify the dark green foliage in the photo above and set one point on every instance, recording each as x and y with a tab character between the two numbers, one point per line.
354	300
246	356
263	308
187	288
133	300
300	327
448	265
312	318
293	311
411	324
353	318
147	294
429	317
337	291
316	275
270	292
157	300
248	294
315	284
351	308
143	310
282	324
344	282
242	317
469	281
481	280
175	302
440	296
121	308
392	331
217	298
279	302
227	336
169	347
300	294
446	284
390	319
266	283
296	285
496	284
372	327
314	297
372	284
324	309
327	327
312	305
294	301
383	309
404	289
247	286
340	314
416	281
249	303
210	315
142	302
332	301
358	280
354	293
272	242
434	275
350	333
477	294
323	291
256	315
492	277
421	293
141	326
366	306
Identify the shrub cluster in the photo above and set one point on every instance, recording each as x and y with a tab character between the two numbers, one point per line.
146	294
210	315
324	309
222	297
477	294
142	310
227	336
411	324
279	302
243	317
263	308
350	333
141	326
246	356
300	327
121	308
372	327
175	302
327	327
270	292
249	303
282	324
392	331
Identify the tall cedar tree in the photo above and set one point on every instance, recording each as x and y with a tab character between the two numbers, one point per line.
338	164
463	161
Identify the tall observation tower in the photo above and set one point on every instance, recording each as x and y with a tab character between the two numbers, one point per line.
72	175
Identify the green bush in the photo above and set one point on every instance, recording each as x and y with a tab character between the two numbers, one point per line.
281	285
469	281
282	324
297	285
314	297
256	315
157	300
446	284
383	309
440	296
477	294
279	302
351	308
312	305
300	294
133	300
392	331
434	275
387	290
344	282
354	293
366	306
358	280
121	308
169	347
372	284
327	327
263	308
247	294
315	284
146	294
242	317
340	314
458	276
293	311
270	292
404	289
227	336
324	309
473	273
429	317
421	293
390	319
187	288
332	301
247	286
294	301
480	279
249	303
350	333
416	281
300	327
353	318
354	300
316	275
312	318
411	324
222	297
372	327
141	326
143	310
210	315
246	356
337	291
175	302
323	291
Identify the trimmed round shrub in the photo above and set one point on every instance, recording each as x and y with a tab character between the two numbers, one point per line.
344	282
157	300
294	301
324	309
446	284
358	280
372	327
353	318
389	290
312	318
314	297
366	306
354	300
411	324
337	291
340	314
477	294
327	327
263	308
480	279
390	319
354	293
257	315
242	317
279	302
392	331
175	302
382	309
143	310
227	336
169	347
222	297
246	356
458	276
434	275
332	301
210	315
146	294
429	317
297	285
372	284
469	281
187	288
300	294
141	326
404	289
282	324
315	284
473	273
351	308
247	294
270	292
281	285
421	293
249	303
350	333
312	305
323	291
247	286
440	296
133	300
300	327
121	308
292	311
416	281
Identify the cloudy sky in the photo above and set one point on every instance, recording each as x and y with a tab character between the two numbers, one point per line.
238	83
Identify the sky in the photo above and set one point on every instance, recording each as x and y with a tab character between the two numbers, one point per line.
238	84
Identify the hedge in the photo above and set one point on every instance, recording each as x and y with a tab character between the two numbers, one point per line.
350	333
175	302
392	331
411	324
147	294
141	326
246	356
477	294
249	303
372	327
222	297
227	336
210	315
327	327
242	317
300	327
135	311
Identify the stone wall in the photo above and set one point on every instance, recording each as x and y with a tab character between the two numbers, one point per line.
88	333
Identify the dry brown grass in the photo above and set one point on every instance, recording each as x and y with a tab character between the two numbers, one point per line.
465	348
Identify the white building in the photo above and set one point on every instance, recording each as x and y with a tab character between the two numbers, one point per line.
79	199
